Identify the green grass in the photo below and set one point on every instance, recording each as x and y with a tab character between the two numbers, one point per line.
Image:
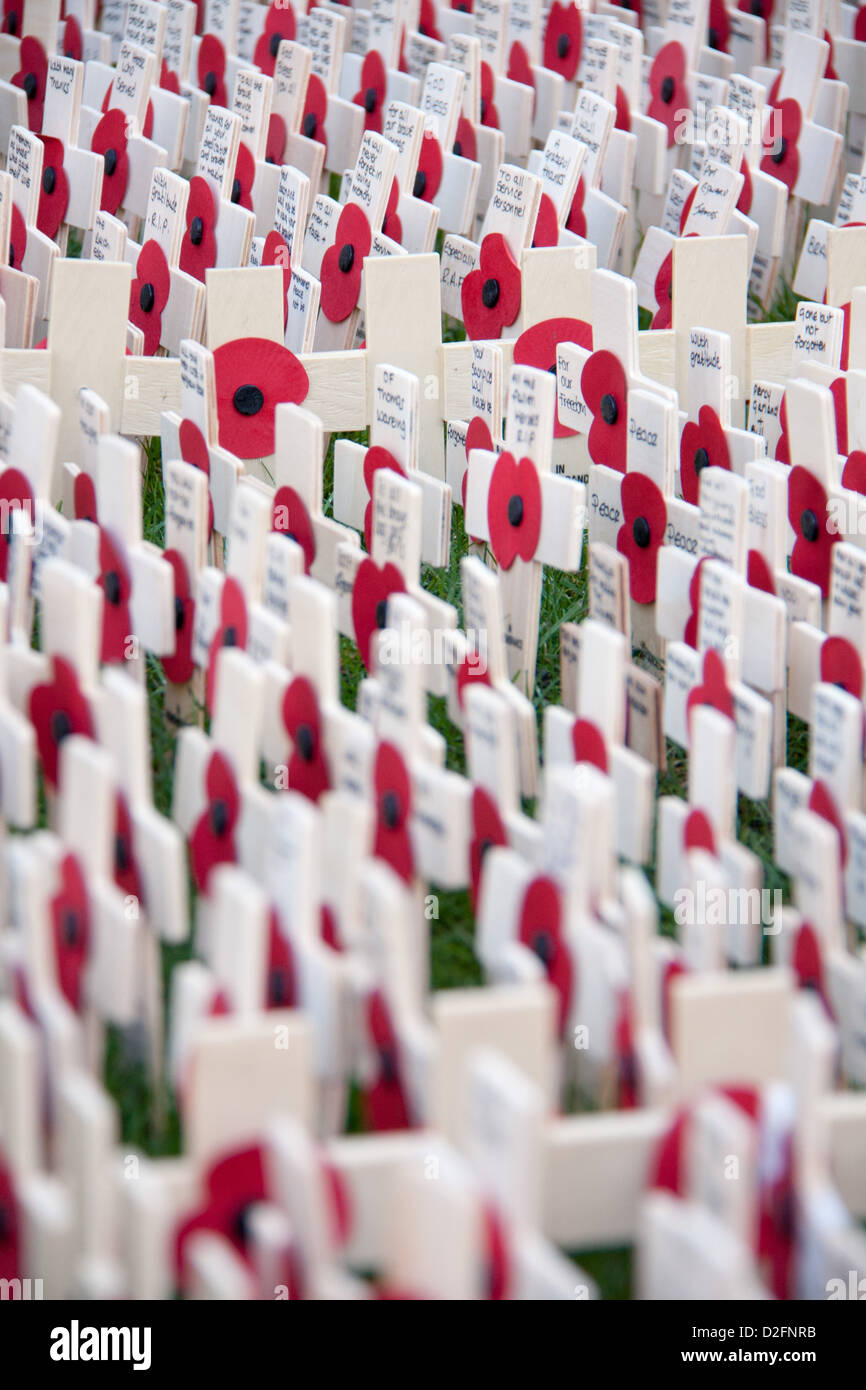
148	1114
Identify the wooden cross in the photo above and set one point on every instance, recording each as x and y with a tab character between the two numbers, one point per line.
529	516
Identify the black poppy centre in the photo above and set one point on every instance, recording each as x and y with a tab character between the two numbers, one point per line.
641	532
490	293
196	231
346	258
305	742
49	181
609	409
667	91
778	155
60	725
147	298
248	399
809	525
370	100
391	810
702	460
219	817
563	46
515	510
110	160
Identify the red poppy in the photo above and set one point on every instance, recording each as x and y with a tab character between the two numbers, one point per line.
308	766
846	327
109	140
604	387
782	452
194	450
488	832
428	175
393	792
149	294
375	458
232	631
329	928
33	77
713	689
642	533
427	21
854	472
386	1103
57	710
464	6
168	79
234	1185
807	512
627	1068
15	492
212	840
690	635
758	573
496	1257
84	498
279	25
807	964
198	248
576	220
842	665
9	1233
291	518
180	666
275	144
719	28
537	347
860	25
519	66
17	238
744	202
702	445
782	159
253	377
588	743
487	108
70	921
698	832
471	671
212	69
372	589
315	110
12	16
669	97
391	225
546	231
116	585
839	392
623	111
372	93
282	983
823	803
343	263
54	191
125	868
541	929
276	252
687	207
563	40
465	145
490	295
514	510
245	173
72	39
663	289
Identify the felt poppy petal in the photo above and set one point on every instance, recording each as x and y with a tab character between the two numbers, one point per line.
212	839
758	573
253	377
541	930
343	263
32	76
488	831
179	667
315	111
490	295
519	66
393	789
291	518
698	832
109	140
71	930
54	192
668	95
372	91
514	510
811	557
823	803
546	231
604	388
841	665
642	533
212	68
372	589
17	238
149	294
782	157
713	689
465	145
537	347
428	177
854	472
563	39
57	710
198	248
385	1100
116	584
589	745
